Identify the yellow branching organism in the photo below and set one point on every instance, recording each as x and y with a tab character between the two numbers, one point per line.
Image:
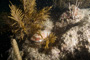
17	16
50	40
29	20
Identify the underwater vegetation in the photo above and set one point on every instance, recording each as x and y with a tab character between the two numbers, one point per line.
32	24
28	21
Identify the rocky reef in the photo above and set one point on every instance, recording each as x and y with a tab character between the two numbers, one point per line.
72	43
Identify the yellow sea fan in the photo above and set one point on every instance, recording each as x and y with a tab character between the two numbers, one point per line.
50	40
34	28
43	14
29	20
16	13
29	6
17	16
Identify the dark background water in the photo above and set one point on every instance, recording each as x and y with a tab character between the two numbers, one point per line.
4	4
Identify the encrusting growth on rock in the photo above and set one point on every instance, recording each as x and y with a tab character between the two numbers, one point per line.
74	13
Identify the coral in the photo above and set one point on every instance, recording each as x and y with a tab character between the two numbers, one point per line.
44	33
50	40
29	20
16	49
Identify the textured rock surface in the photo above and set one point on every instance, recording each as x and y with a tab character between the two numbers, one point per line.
75	32
35	54
74	36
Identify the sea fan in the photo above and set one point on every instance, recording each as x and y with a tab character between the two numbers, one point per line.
29	20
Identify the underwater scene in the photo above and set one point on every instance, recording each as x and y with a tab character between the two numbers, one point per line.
45	29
